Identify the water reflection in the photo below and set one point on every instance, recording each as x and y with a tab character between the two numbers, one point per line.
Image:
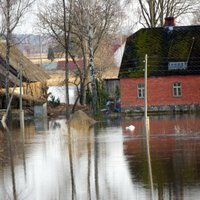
174	155
147	133
12	168
56	161
59	92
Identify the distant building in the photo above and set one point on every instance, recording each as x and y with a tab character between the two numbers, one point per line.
71	65
173	69
30	44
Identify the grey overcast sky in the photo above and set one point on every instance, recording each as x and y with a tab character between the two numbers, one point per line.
28	25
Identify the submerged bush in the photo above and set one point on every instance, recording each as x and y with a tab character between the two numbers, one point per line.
53	101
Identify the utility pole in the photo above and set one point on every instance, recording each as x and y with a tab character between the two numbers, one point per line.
40	44
145	94
146	118
20	100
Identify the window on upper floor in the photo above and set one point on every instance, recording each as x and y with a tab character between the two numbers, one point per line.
140	89
177	65
177	90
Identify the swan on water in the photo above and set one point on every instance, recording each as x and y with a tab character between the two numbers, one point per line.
130	128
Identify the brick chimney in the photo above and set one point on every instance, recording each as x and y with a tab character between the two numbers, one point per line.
169	21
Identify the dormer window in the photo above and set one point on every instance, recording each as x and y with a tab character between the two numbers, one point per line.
177	65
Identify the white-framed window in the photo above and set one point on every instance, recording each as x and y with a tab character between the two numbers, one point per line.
140	89
177	65
177	90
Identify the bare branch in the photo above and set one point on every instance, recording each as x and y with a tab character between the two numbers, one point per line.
153	12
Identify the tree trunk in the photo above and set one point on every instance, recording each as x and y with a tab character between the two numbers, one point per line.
8	37
83	77
91	67
7	70
67	41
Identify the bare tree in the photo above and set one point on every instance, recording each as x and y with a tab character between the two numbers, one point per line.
90	22
12	12
153	12
196	17
67	32
93	20
55	21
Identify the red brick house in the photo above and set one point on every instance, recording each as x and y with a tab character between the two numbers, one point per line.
173	69
71	65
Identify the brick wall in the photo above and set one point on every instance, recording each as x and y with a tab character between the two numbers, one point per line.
160	91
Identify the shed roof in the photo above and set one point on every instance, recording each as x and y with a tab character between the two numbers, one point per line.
31	72
162	45
13	79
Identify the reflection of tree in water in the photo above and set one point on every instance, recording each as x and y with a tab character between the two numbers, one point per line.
11	150
8	132
4	153
55	125
80	142
73	187
109	121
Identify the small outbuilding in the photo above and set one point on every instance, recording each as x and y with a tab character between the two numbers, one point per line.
34	77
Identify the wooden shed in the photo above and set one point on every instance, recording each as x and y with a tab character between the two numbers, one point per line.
34	77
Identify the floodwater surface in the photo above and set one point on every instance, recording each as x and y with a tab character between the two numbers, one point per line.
51	161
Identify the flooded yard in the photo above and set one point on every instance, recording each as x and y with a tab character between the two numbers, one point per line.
107	162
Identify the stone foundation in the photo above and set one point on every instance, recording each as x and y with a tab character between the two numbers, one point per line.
163	108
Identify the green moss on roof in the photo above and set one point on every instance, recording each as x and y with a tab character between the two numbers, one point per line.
162	46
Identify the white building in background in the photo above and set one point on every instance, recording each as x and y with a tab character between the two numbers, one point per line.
118	54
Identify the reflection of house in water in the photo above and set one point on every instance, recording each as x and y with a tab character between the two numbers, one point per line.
175	158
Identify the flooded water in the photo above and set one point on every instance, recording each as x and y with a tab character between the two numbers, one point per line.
59	92
108	162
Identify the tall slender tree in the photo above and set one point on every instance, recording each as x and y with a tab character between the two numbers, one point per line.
67	33
90	22
54	19
97	19
12	13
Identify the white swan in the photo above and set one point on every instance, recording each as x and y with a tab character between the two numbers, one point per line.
130	128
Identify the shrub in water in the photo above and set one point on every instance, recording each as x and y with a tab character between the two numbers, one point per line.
53	101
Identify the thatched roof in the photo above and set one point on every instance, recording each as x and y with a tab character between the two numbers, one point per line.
24	97
13	79
31	72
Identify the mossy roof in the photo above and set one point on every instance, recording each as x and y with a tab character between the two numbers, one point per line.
162	45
